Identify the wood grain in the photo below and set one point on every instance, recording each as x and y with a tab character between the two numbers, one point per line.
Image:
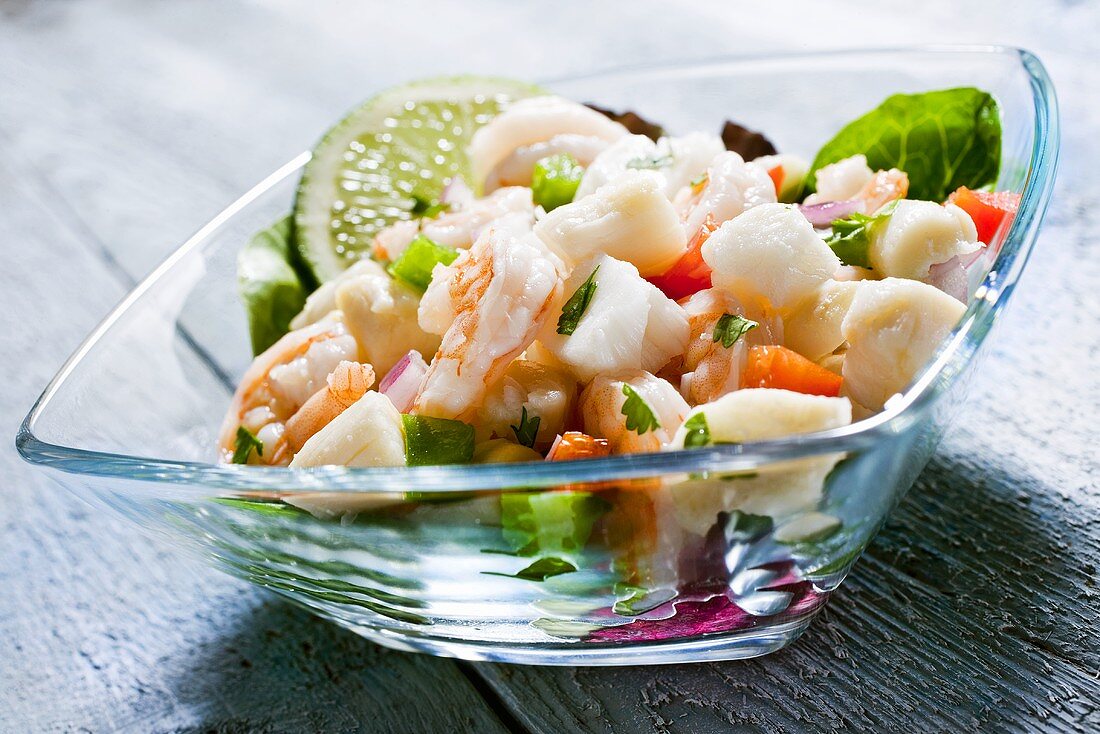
104	629
125	125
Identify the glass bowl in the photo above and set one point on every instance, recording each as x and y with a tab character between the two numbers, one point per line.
717	553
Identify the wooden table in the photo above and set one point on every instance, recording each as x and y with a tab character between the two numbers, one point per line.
126	125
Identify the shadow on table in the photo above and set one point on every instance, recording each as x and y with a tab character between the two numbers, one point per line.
954	619
284	670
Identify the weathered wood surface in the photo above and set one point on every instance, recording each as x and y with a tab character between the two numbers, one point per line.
125	125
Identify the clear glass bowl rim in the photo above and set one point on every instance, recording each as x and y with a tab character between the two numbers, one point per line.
901	412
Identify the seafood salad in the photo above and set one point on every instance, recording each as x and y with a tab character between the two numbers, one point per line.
481	271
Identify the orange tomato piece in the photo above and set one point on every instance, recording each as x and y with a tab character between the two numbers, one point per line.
777	175
577	445
690	274
775	366
992	211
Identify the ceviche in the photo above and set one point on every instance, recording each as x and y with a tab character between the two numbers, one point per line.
480	271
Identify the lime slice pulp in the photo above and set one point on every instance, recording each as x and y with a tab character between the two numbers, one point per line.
399	147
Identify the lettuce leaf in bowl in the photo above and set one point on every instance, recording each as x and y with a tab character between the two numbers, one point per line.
271	283
942	140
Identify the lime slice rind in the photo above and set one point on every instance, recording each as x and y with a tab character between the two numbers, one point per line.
368	170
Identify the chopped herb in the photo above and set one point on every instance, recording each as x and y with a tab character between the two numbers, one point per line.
648	163
731	327
635	600
527	430
640	418
414	265
433	441
698	432
699	180
246	441
555	180
575	307
851	237
427	208
541	569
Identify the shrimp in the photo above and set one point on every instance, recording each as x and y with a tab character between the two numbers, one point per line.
280	381
346	384
531	121
543	393
677	161
457	229
601	409
712	369
884	187
488	305
731	187
516	169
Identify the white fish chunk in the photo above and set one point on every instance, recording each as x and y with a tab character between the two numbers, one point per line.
367	433
893	328
769	254
629	218
628	325
918	235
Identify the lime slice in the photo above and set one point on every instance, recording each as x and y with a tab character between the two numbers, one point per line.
398	148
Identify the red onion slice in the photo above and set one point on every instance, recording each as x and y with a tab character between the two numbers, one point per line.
402	382
950	277
456	194
823	215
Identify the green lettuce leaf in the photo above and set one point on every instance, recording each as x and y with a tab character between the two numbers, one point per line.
271	283
942	140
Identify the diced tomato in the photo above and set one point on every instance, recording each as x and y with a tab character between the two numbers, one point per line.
577	445
690	274
992	211
774	366
777	176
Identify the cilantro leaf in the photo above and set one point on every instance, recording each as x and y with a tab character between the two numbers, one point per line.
649	163
698	432
942	140
527	430
851	237
427	208
575	307
540	570
731	327
246	441
640	418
